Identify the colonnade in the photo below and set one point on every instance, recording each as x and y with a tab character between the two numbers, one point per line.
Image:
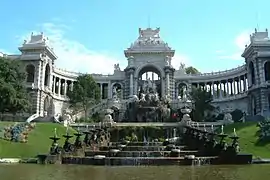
221	88
60	86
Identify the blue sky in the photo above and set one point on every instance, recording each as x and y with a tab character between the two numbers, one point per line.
91	35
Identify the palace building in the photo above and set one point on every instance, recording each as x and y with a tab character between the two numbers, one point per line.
149	61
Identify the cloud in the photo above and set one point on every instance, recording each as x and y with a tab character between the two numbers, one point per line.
74	56
240	41
243	39
180	58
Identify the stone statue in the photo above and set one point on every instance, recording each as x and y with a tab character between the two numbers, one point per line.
142	97
140	32
108	117
145	86
227	116
185	94
114	93
117	67
156	97
182	66
67	117
168	60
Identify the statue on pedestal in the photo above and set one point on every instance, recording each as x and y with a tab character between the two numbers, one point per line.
168	60
114	93
227	116
67	118
117	67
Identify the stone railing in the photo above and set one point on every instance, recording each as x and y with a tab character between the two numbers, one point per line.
66	72
239	68
231	97
74	74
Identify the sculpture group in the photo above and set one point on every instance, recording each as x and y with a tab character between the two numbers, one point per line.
148	107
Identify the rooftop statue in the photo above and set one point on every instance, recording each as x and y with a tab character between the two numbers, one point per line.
117	67
168	60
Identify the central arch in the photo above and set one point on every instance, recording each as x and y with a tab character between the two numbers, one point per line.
146	74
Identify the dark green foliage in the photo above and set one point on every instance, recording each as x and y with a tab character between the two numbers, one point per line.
220	116
202	103
96	117
264	131
128	132
85	94
191	70
13	95
237	114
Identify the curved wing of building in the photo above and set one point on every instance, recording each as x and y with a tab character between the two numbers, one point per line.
149	61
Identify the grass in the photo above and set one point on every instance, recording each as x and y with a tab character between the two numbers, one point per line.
249	140
38	141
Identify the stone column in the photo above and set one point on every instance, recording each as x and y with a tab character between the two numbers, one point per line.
240	85
101	88
51	81
131	83
54	86
220	89
228	89
59	86
71	85
234	89
212	89
65	87
177	90
109	90
167	83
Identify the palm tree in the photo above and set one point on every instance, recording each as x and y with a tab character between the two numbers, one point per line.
202	102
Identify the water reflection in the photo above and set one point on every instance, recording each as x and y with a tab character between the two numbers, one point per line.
71	172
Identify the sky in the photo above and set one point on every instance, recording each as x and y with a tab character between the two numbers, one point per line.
91	35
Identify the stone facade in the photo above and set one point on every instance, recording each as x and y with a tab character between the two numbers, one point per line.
245	87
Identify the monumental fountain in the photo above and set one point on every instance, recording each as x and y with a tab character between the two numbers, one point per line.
196	146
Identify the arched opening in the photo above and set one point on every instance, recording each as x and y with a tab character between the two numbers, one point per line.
47	75
182	88
30	73
267	71
252	73
149	80
117	90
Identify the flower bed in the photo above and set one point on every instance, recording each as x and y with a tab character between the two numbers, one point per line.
17	132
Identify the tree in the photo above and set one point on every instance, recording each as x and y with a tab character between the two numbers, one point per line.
85	93
202	102
13	94
191	70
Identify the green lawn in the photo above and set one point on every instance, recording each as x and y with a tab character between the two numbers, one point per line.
249	142
38	141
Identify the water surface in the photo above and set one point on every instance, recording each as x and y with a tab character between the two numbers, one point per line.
77	172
